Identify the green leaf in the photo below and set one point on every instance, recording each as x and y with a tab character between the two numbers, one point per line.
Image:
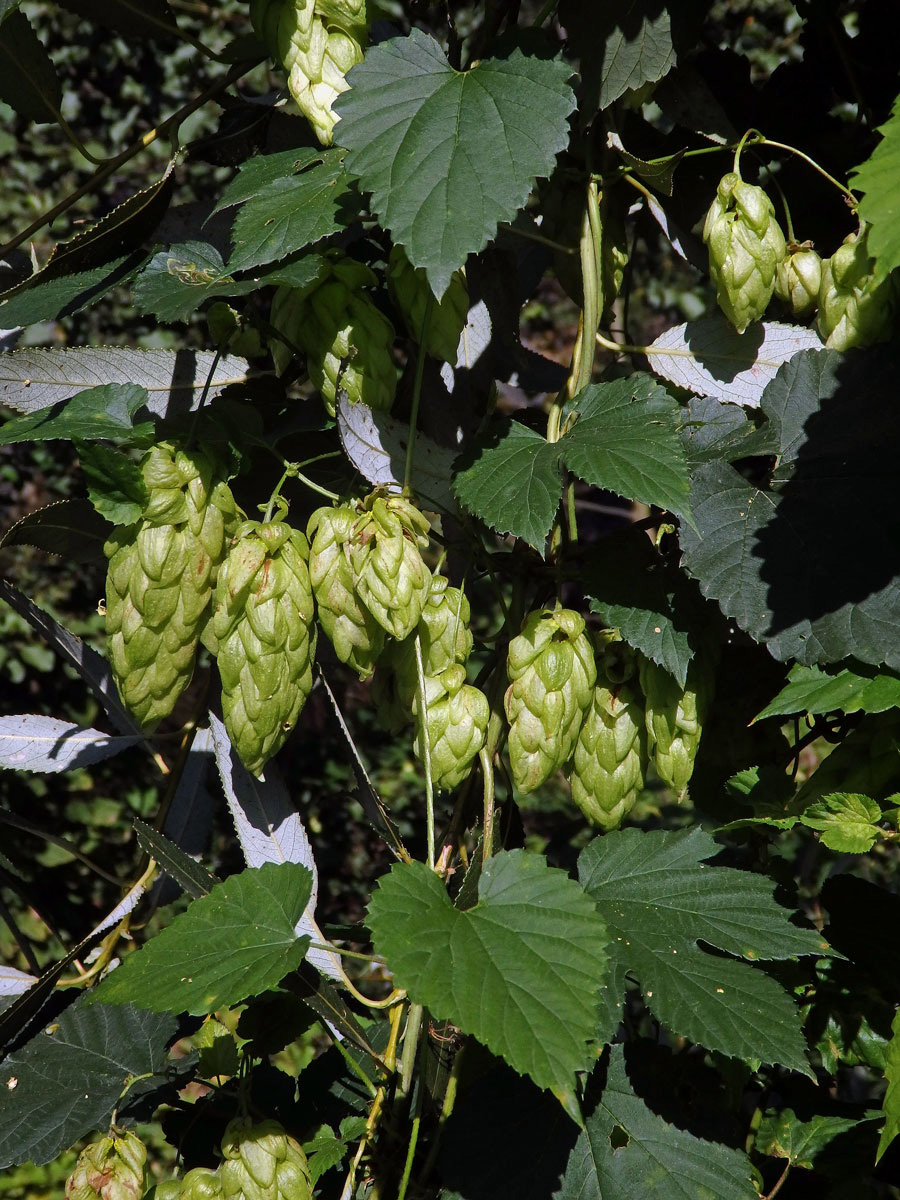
713	430
236	942
521	971
448	155
40	299
64	1084
73	529
256	173
511	481
659	900
115	484
7	7
626	441
878	178
106	411
290	214
846	821
804	567
784	1135
817	691
189	874
28	79
177	281
891	1101
626	1150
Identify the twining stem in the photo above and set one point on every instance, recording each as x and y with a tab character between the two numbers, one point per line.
417	392
112	165
487	773
410	1155
410	1046
426	753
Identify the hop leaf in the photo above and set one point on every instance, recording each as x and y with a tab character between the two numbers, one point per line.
263	1163
798	278
392	581
357	637
854	310
410	291
674	718
111	1168
745	245
456	721
552	675
264	626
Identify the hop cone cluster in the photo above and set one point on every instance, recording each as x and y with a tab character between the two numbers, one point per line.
674	718
608	764
160	578
456	721
745	245
854	308
357	637
410	290
317	42
264	626
552	675
346	339
392	581
111	1168
798	278
263	1163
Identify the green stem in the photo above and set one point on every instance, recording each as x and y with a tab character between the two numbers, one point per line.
487	772
410	1046
545	12
417	392
426	753
737	153
276	494
410	1155
570	509
316	487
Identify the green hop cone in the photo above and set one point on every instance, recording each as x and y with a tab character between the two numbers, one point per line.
552	675
263	1163
410	291
357	637
266	636
608	764
169	1189
111	1168
349	344
745	245
854	308
674	719
392	581
160	579
202	1183
798	278
456	721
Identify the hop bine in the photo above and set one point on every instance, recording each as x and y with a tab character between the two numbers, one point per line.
264	626
160	578
552	674
855	309
111	1168
263	1163
745	245
456	721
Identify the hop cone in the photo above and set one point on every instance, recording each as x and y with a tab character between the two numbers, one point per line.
201	1184
263	1163
111	1168
410	291
392	581
160	579
264	625
608	765
169	1189
854	309
745	246
357	637
552	675
674	718
444	638
798	278
456	721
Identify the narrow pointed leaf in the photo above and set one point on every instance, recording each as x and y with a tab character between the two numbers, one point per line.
28	80
47	745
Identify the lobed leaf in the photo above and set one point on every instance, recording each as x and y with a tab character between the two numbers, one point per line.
878	178
818	690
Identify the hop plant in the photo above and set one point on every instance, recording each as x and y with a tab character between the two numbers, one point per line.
674	718
855	309
608	764
456	721
263	1163
745	245
264	626
563	217
317	42
160	579
552	674
202	1183
798	278
357	637
410	291
392	581
111	1168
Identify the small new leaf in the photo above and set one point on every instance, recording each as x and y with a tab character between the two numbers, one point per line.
847	822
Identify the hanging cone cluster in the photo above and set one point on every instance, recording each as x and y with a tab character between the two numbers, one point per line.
161	575
262	1162
347	340
674	718
798	278
410	292
317	42
112	1168
392	580
745	245
855	309
456	721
